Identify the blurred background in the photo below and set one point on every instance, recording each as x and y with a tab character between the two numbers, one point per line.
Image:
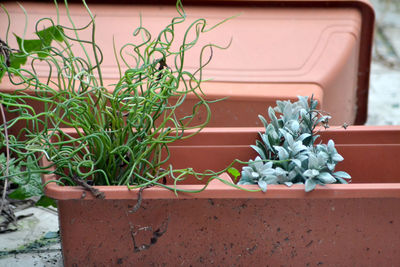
384	90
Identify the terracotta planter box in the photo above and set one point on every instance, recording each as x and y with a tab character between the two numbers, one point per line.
280	49
335	225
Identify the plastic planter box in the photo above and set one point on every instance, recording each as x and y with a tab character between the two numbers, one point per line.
355	224
280	49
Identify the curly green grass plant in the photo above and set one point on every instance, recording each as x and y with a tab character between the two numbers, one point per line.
122	130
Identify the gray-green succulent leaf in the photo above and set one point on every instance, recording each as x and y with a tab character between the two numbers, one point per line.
288	153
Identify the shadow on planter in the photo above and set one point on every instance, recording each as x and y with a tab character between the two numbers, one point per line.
356	224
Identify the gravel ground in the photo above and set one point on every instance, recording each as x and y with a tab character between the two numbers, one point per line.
384	91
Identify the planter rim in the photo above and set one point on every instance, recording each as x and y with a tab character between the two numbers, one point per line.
332	128
219	190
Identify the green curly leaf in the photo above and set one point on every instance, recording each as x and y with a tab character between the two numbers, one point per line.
45	201
51	33
17	60
234	172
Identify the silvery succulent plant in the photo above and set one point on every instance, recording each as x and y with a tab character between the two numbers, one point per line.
288	153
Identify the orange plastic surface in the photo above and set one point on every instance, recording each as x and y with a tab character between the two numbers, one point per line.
293	43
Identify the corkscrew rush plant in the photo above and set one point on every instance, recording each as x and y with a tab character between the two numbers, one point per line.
122	130
288	153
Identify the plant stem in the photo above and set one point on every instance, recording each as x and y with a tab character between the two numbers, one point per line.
3	199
